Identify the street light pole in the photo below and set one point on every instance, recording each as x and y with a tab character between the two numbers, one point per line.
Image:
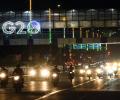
50	36
30	43
80	32
64	29
73	32
64	20
86	33
30	8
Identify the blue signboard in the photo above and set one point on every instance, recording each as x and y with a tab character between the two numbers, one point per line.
92	46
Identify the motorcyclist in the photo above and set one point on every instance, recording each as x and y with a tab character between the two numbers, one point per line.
19	71
3	69
55	69
71	73
4	79
71	69
55	75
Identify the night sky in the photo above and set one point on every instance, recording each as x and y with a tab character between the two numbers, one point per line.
65	4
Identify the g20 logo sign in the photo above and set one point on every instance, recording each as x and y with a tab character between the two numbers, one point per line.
9	27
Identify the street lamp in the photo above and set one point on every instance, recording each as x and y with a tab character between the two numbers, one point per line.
58	5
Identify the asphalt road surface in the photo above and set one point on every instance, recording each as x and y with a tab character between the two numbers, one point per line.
91	90
79	89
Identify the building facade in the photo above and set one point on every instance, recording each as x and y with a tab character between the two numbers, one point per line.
75	24
58	28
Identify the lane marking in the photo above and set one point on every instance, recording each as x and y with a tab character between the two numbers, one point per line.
55	92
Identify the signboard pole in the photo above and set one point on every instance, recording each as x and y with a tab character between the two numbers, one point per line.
93	34
106	46
86	33
80	32
73	33
64	33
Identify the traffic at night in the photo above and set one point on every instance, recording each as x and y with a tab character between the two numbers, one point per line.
59	50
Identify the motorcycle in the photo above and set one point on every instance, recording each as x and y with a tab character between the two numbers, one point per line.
3	79
89	73
55	78
71	75
99	73
18	83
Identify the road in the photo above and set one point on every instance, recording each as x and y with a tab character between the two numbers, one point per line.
80	89
91	90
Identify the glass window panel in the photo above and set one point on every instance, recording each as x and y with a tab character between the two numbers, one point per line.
88	15
59	24
75	15
81	15
72	24
101	15
46	25
69	15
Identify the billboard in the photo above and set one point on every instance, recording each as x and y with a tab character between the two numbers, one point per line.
90	46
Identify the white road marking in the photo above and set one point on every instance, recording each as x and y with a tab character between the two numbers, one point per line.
55	92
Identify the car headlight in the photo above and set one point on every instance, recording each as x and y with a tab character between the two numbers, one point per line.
32	73
54	75
44	73
16	78
86	67
88	72
114	68
73	71
82	71
99	71
110	71
2	75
